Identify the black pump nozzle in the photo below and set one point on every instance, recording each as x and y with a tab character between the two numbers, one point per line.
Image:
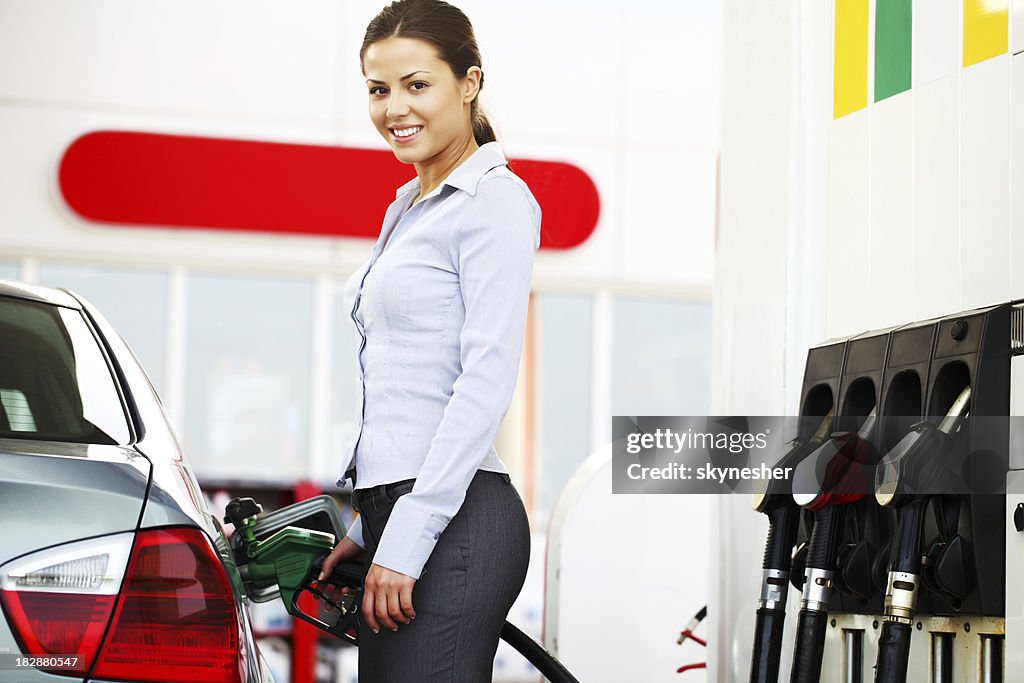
907	475
832	477
776	501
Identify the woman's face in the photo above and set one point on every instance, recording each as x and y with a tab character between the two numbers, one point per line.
416	102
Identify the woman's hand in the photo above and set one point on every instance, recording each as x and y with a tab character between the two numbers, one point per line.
387	598
347	549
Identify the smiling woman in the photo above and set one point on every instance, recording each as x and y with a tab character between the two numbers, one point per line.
441	311
418	103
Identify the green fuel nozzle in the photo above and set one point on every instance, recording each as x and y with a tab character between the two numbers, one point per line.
291	559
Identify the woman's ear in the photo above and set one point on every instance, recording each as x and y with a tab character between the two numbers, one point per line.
471	83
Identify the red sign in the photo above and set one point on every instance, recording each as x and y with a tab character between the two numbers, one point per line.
172	181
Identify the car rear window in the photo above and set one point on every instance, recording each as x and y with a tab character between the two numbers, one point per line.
55	384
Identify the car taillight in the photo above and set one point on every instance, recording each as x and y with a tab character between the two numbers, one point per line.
58	601
175	620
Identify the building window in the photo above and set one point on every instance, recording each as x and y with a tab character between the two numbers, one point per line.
562	392
661	357
247	359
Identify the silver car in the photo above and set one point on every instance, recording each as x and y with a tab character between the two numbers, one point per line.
111	565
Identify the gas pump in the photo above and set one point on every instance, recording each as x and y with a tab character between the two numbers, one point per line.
924	555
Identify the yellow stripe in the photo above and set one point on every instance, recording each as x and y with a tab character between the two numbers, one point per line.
986	29
850	57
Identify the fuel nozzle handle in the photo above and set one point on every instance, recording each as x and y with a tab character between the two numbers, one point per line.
835	472
778	492
347	573
776	501
916	465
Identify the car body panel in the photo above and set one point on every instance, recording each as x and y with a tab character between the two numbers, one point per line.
107	489
95	490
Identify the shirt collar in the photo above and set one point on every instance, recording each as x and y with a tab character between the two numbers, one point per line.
466	175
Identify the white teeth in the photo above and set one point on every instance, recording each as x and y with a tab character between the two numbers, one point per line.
405	132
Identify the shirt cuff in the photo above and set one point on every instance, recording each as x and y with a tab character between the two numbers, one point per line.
409	537
355	532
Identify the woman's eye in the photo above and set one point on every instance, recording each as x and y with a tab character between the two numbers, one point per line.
377	90
418	85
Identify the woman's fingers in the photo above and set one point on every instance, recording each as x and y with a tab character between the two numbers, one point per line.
366	609
387	598
345	550
405	602
384	607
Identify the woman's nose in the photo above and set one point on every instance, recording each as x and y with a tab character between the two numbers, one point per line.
397	105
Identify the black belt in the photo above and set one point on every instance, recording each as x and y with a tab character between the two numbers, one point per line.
380	495
385	494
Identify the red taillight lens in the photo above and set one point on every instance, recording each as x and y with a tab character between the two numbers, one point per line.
59	624
58	600
176	618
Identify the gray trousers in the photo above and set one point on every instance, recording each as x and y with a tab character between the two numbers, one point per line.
463	596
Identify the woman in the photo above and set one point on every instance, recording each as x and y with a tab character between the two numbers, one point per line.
441	306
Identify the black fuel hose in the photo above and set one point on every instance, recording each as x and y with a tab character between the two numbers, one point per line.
545	662
783	522
893	652
821	554
811	634
769	629
894	644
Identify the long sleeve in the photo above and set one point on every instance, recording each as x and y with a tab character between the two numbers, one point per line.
492	246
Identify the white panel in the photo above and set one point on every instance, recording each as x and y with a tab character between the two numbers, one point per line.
849	265
243	58
668	87
552	79
1017	27
936	39
890	298
669	214
936	246
1017	203
985	182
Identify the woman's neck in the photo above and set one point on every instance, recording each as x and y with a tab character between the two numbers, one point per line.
433	171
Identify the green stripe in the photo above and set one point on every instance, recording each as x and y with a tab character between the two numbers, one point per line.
892	47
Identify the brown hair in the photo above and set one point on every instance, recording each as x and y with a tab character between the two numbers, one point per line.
446	28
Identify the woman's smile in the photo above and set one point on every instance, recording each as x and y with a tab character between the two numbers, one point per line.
405	134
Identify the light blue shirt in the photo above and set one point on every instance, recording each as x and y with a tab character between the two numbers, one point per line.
441	309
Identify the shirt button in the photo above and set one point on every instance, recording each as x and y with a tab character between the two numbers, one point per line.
437	536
